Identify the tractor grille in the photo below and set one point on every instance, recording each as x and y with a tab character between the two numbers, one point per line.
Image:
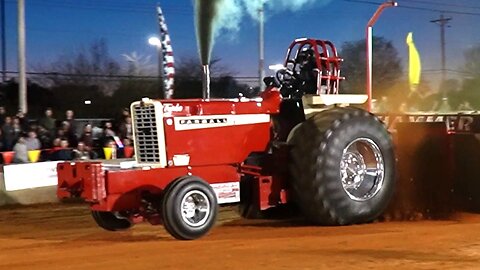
146	133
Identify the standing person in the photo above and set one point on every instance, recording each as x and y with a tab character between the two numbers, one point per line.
87	135
48	122
125	128
70	118
3	115
8	133
45	137
2	146
107	133
69	134
17	127
46	141
23	120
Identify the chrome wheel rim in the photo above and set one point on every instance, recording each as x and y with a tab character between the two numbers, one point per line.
195	208
362	169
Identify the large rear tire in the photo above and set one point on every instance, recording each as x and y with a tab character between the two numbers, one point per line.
342	165
189	208
110	221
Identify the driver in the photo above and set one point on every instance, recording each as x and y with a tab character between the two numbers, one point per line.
308	76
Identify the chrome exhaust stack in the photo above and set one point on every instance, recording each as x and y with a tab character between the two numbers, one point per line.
206	82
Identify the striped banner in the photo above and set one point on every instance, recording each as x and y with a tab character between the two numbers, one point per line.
167	52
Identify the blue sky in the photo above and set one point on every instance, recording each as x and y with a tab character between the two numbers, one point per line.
57	27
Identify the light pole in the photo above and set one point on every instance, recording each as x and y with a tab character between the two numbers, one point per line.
3	44
155	41
368	40
22	70
261	45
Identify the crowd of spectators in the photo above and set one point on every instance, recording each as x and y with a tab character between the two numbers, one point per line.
64	138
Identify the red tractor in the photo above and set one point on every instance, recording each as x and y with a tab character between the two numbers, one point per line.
298	143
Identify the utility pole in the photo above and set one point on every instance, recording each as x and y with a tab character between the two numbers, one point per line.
22	76
4	48
442	22
261	53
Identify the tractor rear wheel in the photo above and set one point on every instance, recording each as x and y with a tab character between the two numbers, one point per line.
189	208
110	221
342	166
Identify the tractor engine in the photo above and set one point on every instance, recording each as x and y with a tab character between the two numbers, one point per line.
200	133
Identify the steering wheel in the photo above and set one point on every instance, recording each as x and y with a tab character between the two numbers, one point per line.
286	75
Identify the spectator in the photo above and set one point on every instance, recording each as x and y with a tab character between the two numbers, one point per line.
127	142
87	135
125	113
111	144
44	137
121	151
60	133
8	133
32	142
125	128
2	146
3	115
21	151
17	127
70	118
69	134
23	120
61	152
48	121
107	133
108	129
56	144
81	152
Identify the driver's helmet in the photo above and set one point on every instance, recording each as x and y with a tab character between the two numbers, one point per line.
305	55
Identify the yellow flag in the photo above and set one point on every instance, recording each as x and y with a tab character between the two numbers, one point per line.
414	64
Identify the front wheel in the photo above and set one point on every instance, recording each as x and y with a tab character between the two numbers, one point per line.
111	221
189	208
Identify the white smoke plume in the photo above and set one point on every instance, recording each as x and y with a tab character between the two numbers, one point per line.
233	12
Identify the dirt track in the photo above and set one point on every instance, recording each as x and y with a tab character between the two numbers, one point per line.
65	237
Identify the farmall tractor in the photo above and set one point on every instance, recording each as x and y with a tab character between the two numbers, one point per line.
299	143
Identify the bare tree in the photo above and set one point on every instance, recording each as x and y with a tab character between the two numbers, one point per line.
86	67
190	67
139	65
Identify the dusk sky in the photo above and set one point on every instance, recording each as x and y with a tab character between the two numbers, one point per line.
56	27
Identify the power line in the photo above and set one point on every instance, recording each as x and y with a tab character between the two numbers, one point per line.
442	4
144	9
417	8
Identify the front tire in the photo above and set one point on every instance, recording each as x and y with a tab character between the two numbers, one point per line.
189	208
110	221
343	167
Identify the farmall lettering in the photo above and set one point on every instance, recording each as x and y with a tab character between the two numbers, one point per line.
454	123
202	121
